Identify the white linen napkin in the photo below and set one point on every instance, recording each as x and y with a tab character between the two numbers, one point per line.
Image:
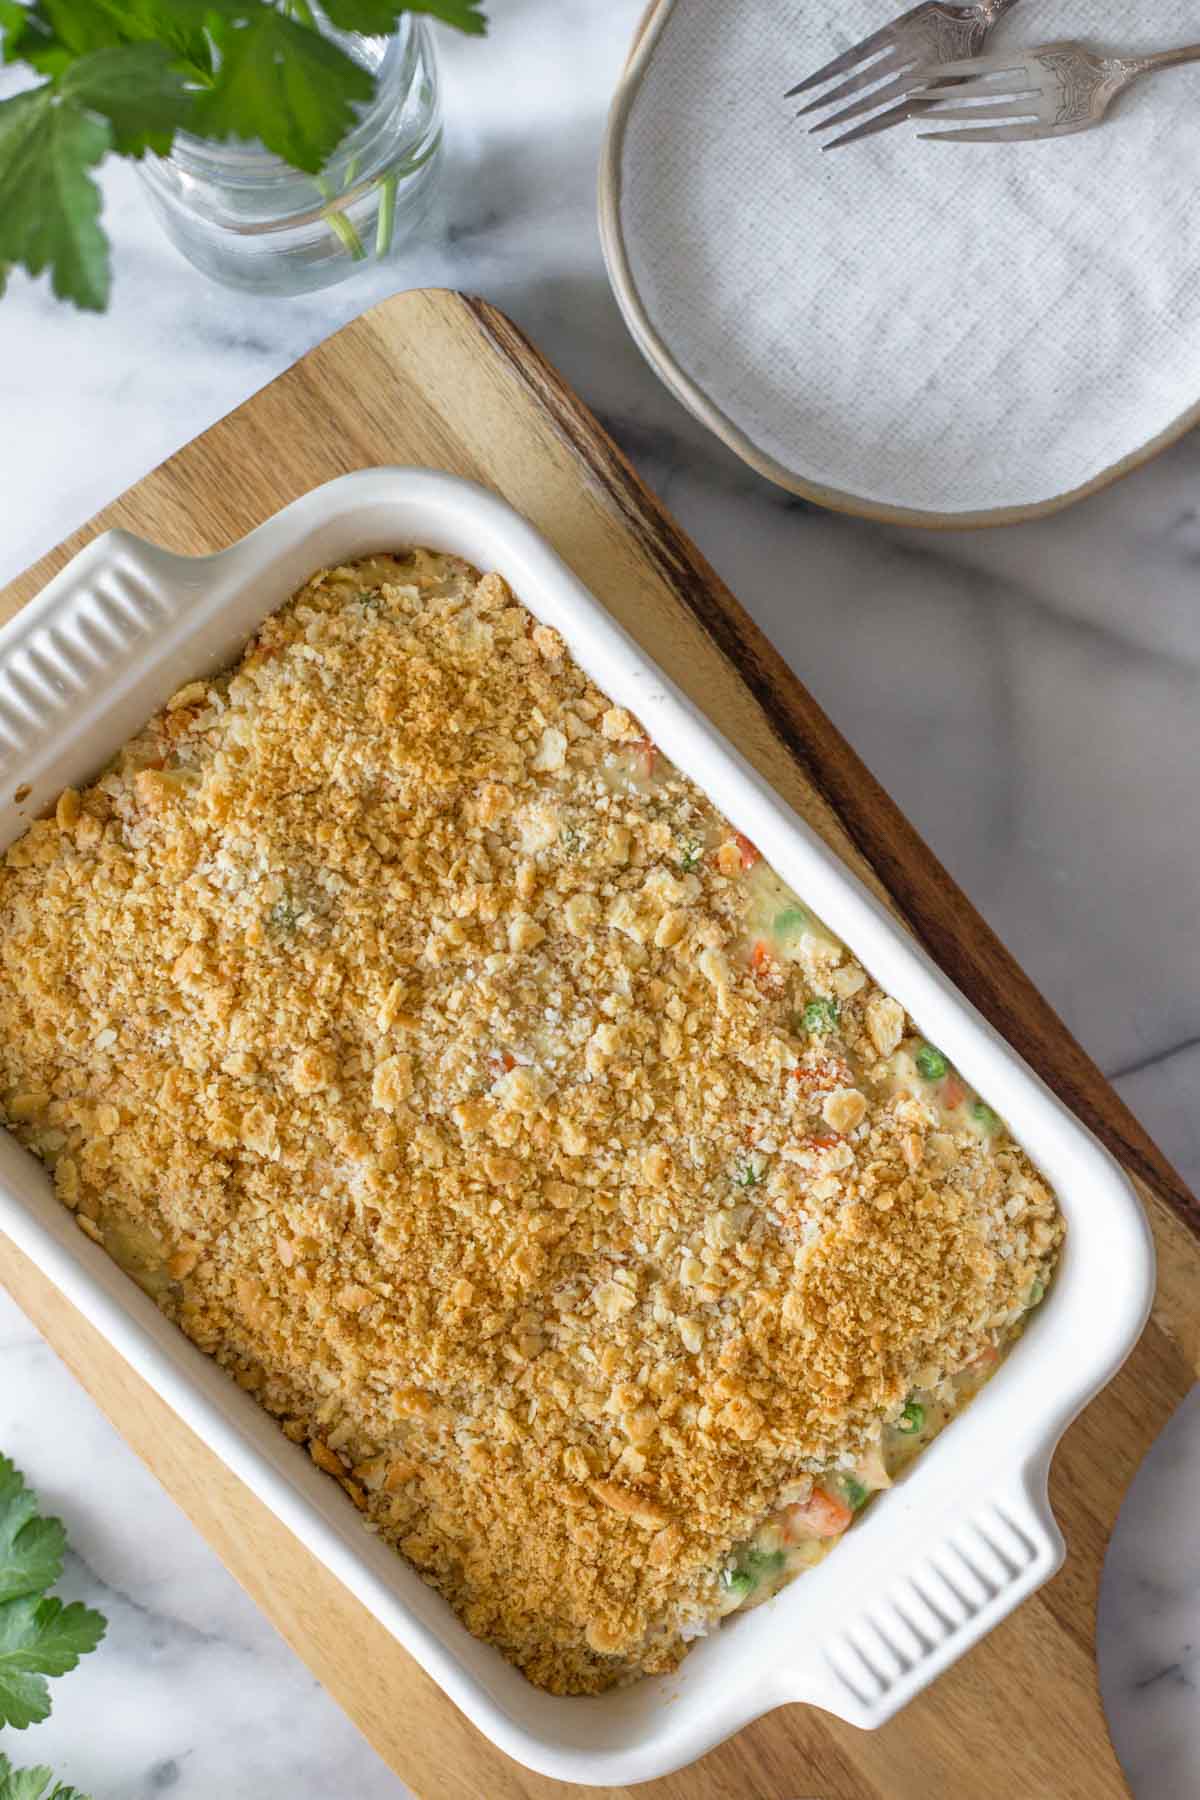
944	328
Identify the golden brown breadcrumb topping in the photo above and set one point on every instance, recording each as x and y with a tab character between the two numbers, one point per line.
387	1009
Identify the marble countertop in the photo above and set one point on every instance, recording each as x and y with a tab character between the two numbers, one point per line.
1028	696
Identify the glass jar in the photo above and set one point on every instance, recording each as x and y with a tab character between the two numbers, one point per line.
246	218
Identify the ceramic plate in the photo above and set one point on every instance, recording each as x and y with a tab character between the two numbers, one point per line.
944	336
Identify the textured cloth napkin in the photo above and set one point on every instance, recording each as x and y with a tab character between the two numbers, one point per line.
945	328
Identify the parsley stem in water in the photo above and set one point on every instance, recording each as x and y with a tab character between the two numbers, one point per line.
345	231
386	227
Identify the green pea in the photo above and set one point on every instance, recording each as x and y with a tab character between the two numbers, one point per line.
749	1569
1037	1291
759	1564
820	1015
912	1418
931	1064
789	922
855	1492
987	1118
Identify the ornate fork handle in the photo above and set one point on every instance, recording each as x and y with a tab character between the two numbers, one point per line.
1133	66
1051	91
1086	85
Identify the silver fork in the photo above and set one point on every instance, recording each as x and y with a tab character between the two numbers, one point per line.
930	33
1050	91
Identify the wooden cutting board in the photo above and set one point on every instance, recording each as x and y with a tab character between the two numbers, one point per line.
440	379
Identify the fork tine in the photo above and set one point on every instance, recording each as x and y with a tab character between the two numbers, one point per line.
886	65
1003	109
997	62
892	91
884	121
994	134
983	87
849	59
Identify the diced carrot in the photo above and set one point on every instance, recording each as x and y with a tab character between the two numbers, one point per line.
823	1515
501	1062
824	1143
749	853
953	1092
765	970
824	1078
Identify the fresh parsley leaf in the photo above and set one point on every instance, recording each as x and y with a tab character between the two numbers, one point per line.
55	32
138	89
32	1784
748	1172
376	18
380	17
40	1638
82	25
49	204
190	27
15	21
285	85
465	15
31	1549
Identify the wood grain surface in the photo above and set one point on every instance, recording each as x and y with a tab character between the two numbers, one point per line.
440	379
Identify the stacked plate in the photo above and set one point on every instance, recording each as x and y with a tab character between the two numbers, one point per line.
941	335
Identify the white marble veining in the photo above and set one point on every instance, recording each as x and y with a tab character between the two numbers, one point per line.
1028	696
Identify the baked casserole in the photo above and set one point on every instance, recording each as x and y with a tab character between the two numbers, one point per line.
441	1062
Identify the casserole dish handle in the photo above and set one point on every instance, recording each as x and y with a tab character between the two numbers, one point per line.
991	1554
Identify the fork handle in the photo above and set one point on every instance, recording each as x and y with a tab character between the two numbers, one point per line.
1166	59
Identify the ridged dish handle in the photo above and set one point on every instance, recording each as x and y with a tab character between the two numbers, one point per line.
928	1612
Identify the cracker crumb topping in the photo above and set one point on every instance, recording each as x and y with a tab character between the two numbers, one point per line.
392	1010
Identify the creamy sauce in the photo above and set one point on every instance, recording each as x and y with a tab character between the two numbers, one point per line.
919	1070
775	1555
776	918
139	1253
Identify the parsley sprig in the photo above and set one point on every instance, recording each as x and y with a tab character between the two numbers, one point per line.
123	76
39	1635
33	1784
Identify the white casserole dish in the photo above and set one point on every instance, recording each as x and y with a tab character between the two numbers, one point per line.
935	1563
